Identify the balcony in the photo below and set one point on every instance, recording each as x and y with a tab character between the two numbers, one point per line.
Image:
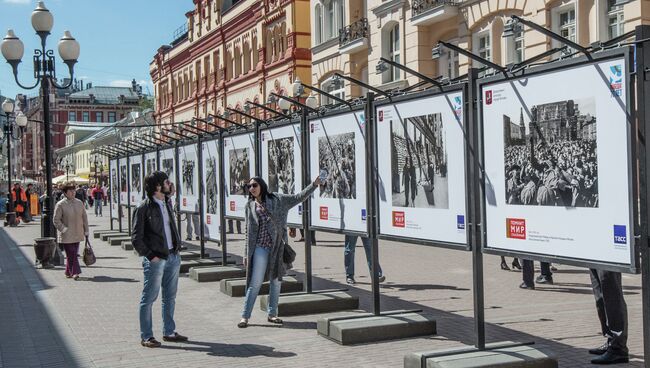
354	38
426	12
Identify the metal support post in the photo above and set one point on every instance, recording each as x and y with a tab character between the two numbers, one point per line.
199	155
222	201
306	209
371	213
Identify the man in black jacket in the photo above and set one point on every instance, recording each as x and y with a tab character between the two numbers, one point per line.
156	239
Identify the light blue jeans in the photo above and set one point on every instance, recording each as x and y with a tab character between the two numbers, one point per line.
348	254
260	260
156	274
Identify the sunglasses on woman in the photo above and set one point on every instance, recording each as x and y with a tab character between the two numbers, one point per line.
254	185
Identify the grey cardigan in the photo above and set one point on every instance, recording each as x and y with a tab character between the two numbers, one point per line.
278	207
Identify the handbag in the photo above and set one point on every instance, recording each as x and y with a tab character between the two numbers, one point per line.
88	255
288	254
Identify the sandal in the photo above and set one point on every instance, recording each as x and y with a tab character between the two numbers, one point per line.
243	323
275	320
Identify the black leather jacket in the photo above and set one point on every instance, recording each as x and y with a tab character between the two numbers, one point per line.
148	236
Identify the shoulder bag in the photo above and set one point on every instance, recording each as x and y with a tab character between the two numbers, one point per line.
88	254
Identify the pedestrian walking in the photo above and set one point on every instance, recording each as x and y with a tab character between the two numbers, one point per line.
528	273
156	239
348	257
19	199
515	264
80	194
230	226
192	218
266	236
71	221
612	313
98	197
105	192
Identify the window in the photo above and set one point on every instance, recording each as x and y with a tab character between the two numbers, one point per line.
391	46
111	117
483	47
515	48
615	19
564	20
448	63
318	27
336	88
85	116
329	19
72	116
99	117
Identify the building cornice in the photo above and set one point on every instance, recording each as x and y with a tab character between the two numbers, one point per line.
387	7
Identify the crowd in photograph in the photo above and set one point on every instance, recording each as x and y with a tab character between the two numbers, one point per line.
336	156
281	166
239	170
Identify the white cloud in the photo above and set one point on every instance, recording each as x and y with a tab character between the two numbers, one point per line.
18	1
120	83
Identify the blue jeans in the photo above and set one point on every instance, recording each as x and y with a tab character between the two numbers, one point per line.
98	207
260	260
156	274
348	254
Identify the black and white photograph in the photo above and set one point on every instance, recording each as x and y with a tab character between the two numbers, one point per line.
123	179
187	172
550	155
167	166
151	166
211	188
419	162
114	185
239	166
281	165
336	155
136	178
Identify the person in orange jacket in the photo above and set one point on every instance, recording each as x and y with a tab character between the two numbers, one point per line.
19	197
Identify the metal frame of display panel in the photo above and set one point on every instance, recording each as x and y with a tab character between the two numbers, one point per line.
141	154
626	53
307	164
256	147
183	145
281	124
217	139
462	88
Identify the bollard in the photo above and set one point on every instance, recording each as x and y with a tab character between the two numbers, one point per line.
44	249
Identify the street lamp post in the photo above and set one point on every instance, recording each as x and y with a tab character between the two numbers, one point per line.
44	72
9	133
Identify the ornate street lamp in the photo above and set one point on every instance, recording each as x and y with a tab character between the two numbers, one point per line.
44	72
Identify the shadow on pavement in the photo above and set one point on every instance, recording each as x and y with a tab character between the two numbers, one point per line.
107	279
231	350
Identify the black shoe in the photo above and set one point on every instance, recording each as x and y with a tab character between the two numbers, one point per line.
176	337
516	265
197	238
189	239
382	278
600	350
525	286
611	357
151	343
350	281
504	266
544	280
229	232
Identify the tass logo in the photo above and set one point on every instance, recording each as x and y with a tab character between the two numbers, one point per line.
620	234
363	214
232	205
208	219
300	209
399	220
381	115
515	228
324	213
488	97
460	222
616	79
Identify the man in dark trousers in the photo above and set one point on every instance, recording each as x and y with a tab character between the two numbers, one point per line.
528	273
612	313
157	240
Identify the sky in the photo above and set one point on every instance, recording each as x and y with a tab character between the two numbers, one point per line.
118	38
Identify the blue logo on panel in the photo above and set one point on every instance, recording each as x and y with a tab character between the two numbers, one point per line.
620	234
300	209
363	214
460	222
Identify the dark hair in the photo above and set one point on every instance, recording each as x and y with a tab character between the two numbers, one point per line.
68	186
264	189
153	181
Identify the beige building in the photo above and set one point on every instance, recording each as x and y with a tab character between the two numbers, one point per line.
350	36
231	52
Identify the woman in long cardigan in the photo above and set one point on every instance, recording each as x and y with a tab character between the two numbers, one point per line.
266	233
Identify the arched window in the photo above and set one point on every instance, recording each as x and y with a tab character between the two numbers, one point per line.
269	46
329	19
283	31
340	16
247	57
237	62
255	47
391	50
318	24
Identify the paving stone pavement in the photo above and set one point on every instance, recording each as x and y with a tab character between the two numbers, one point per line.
50	321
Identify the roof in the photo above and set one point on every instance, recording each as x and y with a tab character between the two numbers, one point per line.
104	132
106	95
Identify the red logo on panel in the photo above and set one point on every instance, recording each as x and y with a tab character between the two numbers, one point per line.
232	205
381	115
399	219
515	228
324	213
208	219
488	97
184	202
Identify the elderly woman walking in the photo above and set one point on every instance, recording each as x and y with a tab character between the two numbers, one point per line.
266	234
71	220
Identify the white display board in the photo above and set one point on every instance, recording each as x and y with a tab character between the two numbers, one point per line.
337	144
282	164
557	162
421	163
114	188
123	178
188	172
136	179
168	166
211	177
239	167
150	163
